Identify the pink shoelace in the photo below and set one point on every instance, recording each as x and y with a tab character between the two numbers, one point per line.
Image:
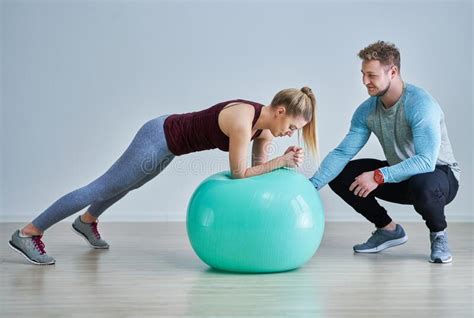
94	230
38	243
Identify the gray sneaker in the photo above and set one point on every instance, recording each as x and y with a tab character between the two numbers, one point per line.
32	248
382	239
89	232
440	252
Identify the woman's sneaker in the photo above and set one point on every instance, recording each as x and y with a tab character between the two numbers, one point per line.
440	252
89	232
382	239
32	248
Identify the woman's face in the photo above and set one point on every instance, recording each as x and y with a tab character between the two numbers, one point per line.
286	125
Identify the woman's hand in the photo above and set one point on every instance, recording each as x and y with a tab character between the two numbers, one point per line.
293	157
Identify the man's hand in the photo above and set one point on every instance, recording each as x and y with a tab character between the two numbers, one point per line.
364	184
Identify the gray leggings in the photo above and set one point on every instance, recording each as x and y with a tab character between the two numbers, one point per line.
144	159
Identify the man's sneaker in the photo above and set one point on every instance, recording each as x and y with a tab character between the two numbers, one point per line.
440	252
382	239
32	248
89	232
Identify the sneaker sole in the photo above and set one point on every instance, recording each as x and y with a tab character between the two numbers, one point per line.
84	237
440	261
19	251
384	246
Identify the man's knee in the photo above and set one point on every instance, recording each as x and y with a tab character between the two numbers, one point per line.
345	178
334	185
347	175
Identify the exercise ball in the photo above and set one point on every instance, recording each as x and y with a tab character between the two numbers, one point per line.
268	223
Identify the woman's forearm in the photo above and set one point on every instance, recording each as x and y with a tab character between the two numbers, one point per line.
266	167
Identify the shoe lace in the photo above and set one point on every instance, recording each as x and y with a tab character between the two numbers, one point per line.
439	243
374	235
95	230
39	245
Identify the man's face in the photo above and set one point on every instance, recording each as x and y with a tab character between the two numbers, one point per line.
377	77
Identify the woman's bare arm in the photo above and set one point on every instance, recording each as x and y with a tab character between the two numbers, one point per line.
261	148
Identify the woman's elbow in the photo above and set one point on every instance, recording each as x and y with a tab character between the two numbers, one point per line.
238	174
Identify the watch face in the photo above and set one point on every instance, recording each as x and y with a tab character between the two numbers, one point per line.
378	177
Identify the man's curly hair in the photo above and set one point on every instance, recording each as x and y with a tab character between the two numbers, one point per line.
385	52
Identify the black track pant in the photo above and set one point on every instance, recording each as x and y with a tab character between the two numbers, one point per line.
428	192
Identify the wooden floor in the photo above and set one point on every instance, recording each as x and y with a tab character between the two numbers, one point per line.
151	270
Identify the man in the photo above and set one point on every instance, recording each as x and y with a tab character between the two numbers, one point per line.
420	168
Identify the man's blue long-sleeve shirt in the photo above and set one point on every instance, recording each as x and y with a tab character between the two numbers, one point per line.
412	133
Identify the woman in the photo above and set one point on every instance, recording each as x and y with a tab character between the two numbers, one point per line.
229	126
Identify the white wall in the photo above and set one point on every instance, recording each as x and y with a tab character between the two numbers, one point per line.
80	77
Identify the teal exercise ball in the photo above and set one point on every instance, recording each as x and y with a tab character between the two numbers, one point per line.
268	223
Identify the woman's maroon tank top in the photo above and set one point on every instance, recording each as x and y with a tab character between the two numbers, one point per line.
197	131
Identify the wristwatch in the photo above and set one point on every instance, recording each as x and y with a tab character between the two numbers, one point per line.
378	177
